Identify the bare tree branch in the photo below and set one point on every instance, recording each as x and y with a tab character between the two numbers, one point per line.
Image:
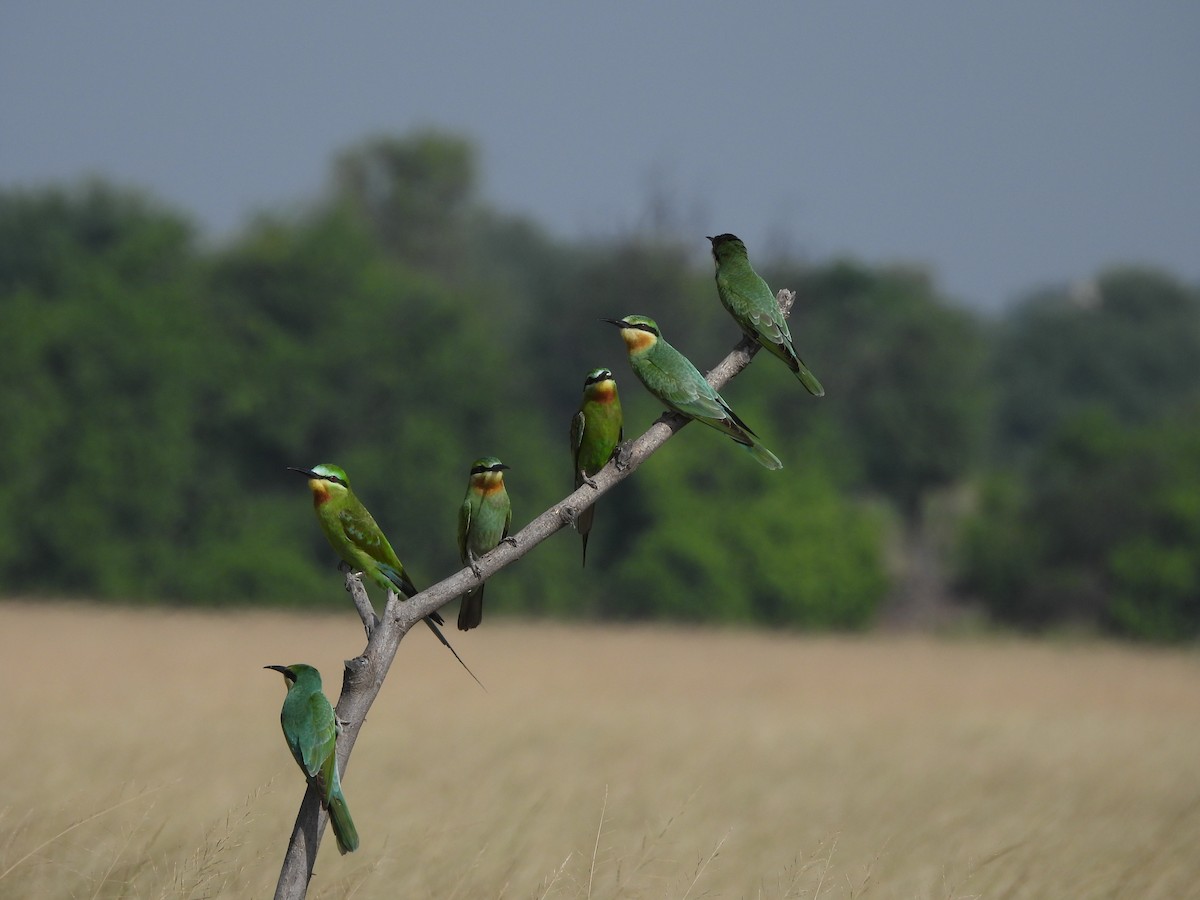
362	602
365	673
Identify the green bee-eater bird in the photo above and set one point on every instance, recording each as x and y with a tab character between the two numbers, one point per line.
483	521
596	430
311	729
671	377
752	305
360	543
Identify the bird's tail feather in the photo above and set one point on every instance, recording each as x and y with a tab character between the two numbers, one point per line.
398	581
470	609
785	351
736	429
764	456
583	524
808	379
445	643
341	823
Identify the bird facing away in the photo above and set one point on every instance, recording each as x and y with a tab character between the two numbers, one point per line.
483	521
596	430
310	728
671	377
752	305
360	543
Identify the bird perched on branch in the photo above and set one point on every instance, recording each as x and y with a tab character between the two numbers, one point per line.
752	305
361	544
596	430
483	521
670	376
310	728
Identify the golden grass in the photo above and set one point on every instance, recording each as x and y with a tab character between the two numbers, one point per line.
142	758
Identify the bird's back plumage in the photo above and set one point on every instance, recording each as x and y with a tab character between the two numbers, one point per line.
310	729
748	298
359	541
671	377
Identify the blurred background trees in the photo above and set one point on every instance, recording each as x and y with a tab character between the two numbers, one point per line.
155	387
1090	511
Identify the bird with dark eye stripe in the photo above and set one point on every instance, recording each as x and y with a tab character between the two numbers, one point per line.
671	377
596	430
483	521
311	729
361	544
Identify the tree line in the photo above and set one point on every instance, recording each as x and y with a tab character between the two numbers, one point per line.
156	386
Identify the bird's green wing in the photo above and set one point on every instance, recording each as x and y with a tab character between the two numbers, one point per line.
695	401
689	392
507	522
692	395
757	311
399	579
464	527
769	323
760	311
577	426
367	537
364	534
318	739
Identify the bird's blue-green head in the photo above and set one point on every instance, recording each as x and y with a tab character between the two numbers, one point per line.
487	474
726	247
599	383
325	480
640	333
293	673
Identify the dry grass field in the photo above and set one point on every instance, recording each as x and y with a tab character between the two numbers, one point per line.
142	758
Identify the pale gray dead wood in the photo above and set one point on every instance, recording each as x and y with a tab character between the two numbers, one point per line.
365	673
362	602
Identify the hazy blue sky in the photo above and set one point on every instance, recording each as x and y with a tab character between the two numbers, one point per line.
1006	145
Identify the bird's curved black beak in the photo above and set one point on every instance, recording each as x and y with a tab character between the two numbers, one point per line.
288	675
620	323
307	473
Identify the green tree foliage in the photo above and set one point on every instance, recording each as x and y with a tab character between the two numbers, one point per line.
789	552
903	371
1105	530
99	298
1127	342
1090	517
161	390
402	328
415	193
383	369
155	390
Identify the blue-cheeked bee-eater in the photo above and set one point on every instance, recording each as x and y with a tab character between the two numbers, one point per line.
361	544
596	431
483	521
749	300
310	728
671	377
